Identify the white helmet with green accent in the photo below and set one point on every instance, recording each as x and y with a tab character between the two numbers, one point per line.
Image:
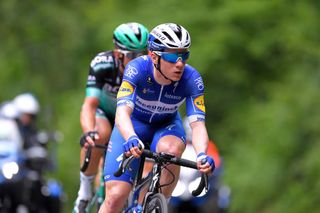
131	36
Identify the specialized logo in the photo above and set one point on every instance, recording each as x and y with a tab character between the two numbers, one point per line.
134	27
126	89
175	86
170	126
199	103
149	80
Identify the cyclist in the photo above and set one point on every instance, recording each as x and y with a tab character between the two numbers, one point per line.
153	88
28	108
98	109
8	110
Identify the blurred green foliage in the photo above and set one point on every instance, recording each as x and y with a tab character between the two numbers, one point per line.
259	60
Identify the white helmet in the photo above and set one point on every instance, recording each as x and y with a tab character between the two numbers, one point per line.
168	36
8	110
26	103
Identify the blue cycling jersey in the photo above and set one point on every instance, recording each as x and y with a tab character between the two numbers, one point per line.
155	110
152	102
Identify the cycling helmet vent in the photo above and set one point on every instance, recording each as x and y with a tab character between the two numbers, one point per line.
168	36
130	36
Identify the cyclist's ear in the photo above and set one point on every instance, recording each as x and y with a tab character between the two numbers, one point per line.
118	54
154	57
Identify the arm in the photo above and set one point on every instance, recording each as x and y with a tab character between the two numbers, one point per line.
87	116
123	121
100	69
200	137
124	124
200	142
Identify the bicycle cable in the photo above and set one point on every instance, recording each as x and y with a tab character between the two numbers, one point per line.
171	173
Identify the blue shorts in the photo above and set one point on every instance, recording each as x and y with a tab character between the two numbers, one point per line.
149	134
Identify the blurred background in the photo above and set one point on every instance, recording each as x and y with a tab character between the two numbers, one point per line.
260	61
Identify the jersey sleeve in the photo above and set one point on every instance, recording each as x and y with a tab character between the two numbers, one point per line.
100	67
127	91
195	106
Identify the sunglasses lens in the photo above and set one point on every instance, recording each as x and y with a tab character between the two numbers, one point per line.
174	57
133	54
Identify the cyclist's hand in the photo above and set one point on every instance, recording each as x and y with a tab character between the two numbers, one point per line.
205	163
133	146
88	138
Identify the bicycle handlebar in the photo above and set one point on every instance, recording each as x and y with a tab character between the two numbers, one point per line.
162	157
87	157
167	158
86	161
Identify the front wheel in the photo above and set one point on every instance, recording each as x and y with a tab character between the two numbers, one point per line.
156	203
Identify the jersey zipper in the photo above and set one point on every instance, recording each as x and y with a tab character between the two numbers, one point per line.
158	102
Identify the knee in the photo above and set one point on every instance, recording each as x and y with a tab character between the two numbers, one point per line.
172	147
116	196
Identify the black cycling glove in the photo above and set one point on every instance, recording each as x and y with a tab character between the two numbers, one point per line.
91	134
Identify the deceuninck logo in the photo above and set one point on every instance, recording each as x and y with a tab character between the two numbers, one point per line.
199	103
126	89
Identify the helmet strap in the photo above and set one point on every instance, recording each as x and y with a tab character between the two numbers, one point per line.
120	59
157	66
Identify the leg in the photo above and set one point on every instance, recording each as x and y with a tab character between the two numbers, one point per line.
117	189
104	128
117	193
175	146
170	138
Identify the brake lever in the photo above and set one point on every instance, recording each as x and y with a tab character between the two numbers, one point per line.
203	182
124	165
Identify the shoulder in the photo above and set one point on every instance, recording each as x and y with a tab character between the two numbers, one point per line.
140	62
103	60
137	67
192	77
190	71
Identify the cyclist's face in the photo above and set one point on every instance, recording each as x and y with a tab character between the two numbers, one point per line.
172	63
130	55
26	119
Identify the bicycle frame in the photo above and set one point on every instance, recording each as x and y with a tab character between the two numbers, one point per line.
152	180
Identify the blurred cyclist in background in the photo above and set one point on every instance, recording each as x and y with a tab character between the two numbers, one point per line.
32	159
8	110
98	109
28	108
